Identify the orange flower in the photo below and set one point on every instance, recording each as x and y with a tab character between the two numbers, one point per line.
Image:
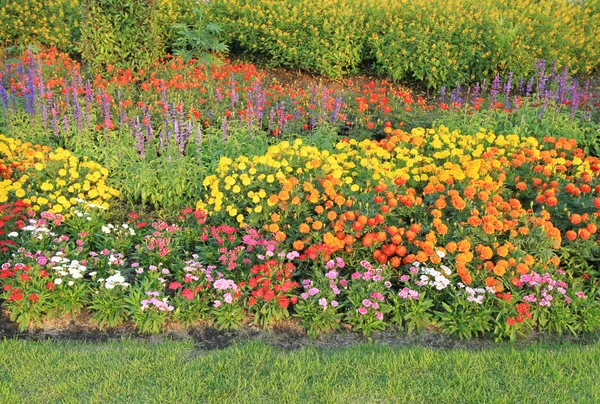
463	245
451	247
319	209
275	217
529	260
522	268
317	225
485	252
584	234
502	251
304	228
298	245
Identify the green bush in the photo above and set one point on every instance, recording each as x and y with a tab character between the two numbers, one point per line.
49	22
324	36
437	42
122	33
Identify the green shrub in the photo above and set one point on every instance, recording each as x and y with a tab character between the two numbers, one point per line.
123	33
49	22
437	42
325	36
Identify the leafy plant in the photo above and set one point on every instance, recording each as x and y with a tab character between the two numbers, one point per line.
200	40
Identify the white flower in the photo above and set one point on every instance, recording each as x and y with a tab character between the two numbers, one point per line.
57	281
71	283
440	253
13	234
105	230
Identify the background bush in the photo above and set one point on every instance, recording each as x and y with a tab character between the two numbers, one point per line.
324	36
124	33
439	42
48	22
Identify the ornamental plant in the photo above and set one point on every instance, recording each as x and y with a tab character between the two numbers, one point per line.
367	305
51	179
271	291
149	309
226	311
194	292
107	303
25	291
320	306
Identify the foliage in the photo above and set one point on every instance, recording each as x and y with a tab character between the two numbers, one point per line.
121	33
198	41
49	23
433	42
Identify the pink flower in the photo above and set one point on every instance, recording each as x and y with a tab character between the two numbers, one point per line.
331	274
404	278
362	311
581	295
334	303
366	303
379	316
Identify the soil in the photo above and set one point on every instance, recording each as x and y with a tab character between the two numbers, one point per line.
286	336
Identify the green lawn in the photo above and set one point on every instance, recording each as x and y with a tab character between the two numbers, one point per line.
171	372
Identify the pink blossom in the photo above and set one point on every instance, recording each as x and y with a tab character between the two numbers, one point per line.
362	311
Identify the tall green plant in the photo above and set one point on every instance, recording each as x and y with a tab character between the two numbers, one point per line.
199	40
122	33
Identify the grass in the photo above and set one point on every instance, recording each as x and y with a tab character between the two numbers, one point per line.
133	371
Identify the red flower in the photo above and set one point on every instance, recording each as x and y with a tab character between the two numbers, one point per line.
7	287
175	285
33	297
43	273
269	294
251	302
294	299
24	277
511	321
188	294
50	286
283	301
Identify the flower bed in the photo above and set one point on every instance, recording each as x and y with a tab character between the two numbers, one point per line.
469	235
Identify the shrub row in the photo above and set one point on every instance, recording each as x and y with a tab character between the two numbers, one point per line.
437	42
